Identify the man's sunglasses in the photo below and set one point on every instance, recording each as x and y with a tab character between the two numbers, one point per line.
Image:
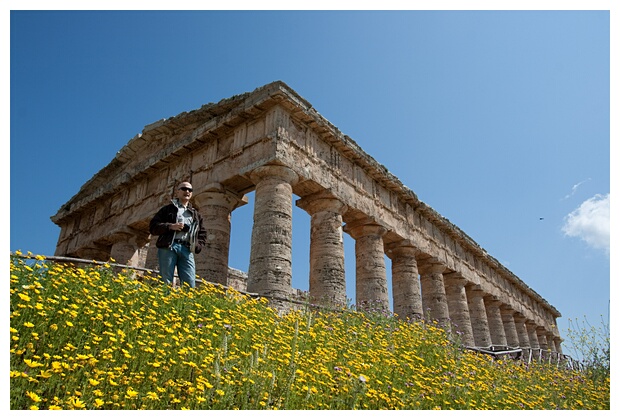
186	189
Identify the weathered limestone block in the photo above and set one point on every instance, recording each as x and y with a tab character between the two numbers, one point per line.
215	205
327	276
478	316
406	291
271	255
496	326
370	276
458	308
434	294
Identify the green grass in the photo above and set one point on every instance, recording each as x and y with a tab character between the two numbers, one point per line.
86	338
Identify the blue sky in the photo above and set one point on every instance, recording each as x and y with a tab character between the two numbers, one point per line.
499	120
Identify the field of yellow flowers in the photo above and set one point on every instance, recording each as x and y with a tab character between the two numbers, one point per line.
87	338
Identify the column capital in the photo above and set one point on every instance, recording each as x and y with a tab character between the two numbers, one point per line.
365	227
283	173
126	233
492	301
506	309
321	201
431	267
455	279
404	248
216	194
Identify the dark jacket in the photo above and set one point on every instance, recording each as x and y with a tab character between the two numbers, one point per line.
166	216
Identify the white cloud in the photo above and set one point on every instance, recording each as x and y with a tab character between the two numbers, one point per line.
574	189
590	222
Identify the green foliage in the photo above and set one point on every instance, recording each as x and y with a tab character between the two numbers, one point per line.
590	343
87	338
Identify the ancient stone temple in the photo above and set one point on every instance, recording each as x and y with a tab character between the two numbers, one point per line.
271	141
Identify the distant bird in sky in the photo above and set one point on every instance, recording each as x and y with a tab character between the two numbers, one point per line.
541	218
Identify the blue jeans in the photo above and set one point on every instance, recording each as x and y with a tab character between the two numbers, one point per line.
178	256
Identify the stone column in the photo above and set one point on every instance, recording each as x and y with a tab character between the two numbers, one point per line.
434	294
524	340
531	332
327	280
370	276
129	246
478	316
558	344
496	326
215	205
152	261
510	329
458	308
406	294
542	338
550	342
96	253
270	269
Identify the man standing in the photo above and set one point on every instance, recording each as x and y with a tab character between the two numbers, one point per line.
181	235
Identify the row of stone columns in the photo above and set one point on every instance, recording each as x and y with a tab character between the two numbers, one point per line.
420	289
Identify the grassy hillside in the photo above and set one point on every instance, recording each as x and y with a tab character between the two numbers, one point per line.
86	338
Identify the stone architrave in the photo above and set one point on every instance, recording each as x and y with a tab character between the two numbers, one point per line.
510	329
434	294
458	308
370	275
270	269
406	293
478	316
496	326
327	277
215	205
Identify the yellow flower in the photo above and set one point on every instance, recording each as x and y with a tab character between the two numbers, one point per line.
76	402
93	382
99	402
28	324
32	364
131	393
34	397
69	323
24	296
152	395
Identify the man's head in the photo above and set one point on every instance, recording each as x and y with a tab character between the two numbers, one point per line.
184	192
